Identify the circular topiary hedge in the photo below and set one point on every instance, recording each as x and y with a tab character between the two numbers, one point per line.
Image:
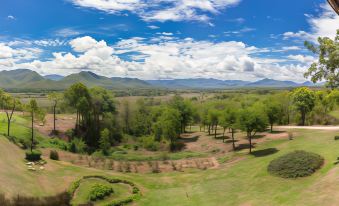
296	164
136	193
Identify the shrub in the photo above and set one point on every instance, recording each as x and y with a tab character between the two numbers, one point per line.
99	192
34	155
295	164
336	138
53	155
77	145
150	143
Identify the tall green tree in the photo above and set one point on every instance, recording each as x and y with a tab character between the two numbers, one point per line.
55	98
33	109
304	101
10	105
229	119
274	111
327	66
252	120
104	142
168	125
78	97
142	121
185	110
213	119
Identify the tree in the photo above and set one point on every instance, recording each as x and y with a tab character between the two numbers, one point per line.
105	143
169	125
142	122
185	110
10	104
274	111
54	98
252	120
304	101
213	119
328	62
78	97
126	115
229	120
33	109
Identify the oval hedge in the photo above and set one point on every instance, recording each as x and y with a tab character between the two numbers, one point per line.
136	193
295	164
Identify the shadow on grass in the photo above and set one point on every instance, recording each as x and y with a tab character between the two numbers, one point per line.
230	141
277	132
244	146
223	137
258	136
189	139
264	152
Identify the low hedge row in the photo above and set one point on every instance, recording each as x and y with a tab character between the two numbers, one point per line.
136	193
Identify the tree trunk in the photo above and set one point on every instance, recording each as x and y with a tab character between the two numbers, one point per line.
271	127
233	143
209	129
250	141
215	131
54	118
303	117
32	140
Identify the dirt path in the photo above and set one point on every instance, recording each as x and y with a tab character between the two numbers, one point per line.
309	127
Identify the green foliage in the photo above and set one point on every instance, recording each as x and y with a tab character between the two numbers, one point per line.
328	62
274	111
99	192
77	145
34	155
252	120
149	143
304	101
296	164
104	141
53	155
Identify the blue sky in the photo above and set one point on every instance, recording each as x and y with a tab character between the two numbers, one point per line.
164	39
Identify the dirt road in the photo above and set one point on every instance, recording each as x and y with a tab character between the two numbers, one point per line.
309	127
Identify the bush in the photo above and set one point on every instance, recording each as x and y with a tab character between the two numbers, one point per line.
33	156
99	192
53	155
295	164
77	145
149	143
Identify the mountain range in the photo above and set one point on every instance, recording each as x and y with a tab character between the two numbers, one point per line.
27	79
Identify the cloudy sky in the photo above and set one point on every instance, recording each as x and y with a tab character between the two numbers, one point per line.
164	39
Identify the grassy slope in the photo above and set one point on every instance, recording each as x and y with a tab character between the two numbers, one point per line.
244	182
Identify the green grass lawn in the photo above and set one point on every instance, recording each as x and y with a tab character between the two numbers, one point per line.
245	182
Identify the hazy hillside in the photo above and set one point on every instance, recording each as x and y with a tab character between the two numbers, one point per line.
219	84
197	83
24	79
54	77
